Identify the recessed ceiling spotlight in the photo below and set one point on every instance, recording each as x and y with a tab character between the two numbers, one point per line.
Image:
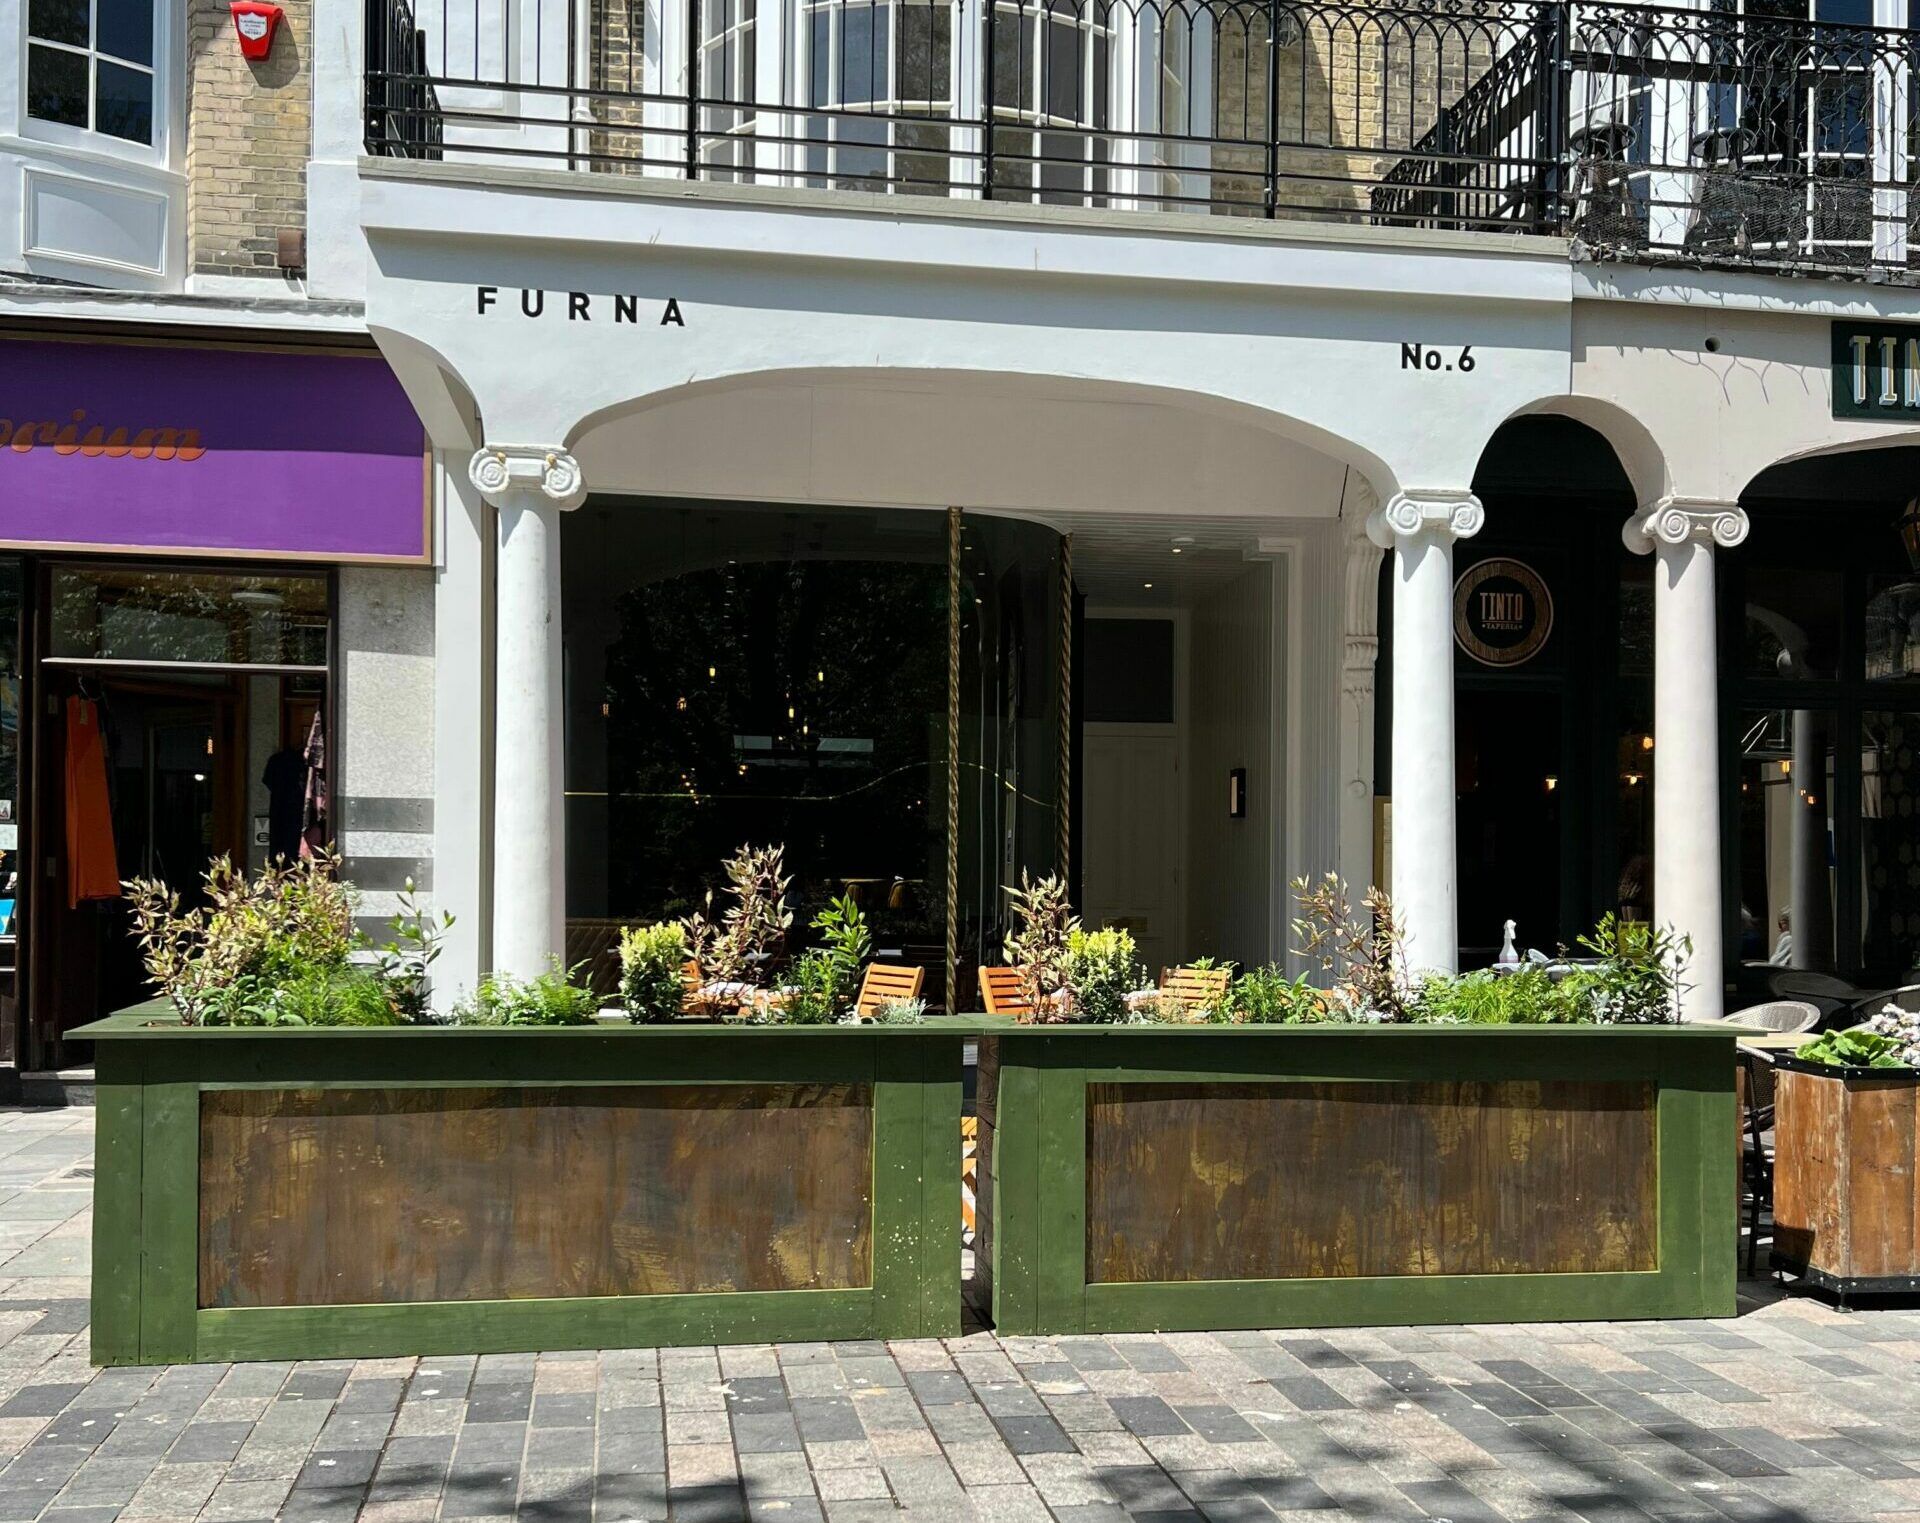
1148	586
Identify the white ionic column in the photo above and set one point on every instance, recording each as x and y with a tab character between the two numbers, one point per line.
1683	533
530	487
1420	528
1361	646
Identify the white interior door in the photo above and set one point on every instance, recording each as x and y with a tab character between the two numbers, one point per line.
1131	857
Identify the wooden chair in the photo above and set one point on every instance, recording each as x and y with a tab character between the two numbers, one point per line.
1195	988
888	983
969	1177
1000	992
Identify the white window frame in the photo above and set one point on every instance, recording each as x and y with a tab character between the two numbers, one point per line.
168	73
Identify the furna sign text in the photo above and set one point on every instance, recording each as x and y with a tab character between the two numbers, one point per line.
579	306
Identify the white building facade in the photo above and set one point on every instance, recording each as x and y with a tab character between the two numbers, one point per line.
1226	402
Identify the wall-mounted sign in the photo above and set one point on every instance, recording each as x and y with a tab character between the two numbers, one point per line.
1502	612
1876	371
581	306
174	449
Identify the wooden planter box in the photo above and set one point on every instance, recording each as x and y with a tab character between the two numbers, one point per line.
276	1194
1301	1176
1845	1212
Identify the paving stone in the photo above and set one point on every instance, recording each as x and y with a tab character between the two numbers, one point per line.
827	1418
1219	1424
1148	1415
1450	1500
39	1400
316	1503
1309	1393
639	1498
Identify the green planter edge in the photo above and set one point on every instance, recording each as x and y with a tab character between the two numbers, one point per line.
1038	1173
151	1073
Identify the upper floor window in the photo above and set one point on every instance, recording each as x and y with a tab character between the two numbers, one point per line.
90	66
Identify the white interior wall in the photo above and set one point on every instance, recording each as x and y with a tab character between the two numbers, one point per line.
1234	873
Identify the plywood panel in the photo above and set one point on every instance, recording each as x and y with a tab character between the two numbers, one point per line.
1845	1175
1312	1179
354	1196
1880	1147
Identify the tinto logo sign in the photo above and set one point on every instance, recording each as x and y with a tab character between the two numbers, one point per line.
1502	612
1876	371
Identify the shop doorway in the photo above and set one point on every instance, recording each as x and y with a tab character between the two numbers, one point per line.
169	762
167	716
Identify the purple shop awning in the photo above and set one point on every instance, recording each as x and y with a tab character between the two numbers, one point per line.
209	451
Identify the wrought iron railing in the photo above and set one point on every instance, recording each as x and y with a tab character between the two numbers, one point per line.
404	119
1706	135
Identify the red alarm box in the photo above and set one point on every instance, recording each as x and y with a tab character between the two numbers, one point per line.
256	23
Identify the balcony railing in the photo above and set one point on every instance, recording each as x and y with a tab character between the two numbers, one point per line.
1649	133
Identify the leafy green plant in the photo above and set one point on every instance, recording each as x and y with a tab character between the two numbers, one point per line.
733	947
1043	920
246	1000
405	961
1265	996
290	917
337	996
1526	996
846	944
553	998
1103	968
811	995
900	1012
1857	1047
652	971
823	981
1365	953
1639	976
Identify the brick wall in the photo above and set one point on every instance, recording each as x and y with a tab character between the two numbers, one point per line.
249	134
1355	92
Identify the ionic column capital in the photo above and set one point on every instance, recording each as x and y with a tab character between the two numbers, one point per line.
1678	520
499	470
1438	512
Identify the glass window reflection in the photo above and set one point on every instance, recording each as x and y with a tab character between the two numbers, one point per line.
1793	623
745	674
1890	840
1788	882
1891	647
116	613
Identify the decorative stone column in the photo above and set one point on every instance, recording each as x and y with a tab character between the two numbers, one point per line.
1683	533
529	486
1420	527
1361	647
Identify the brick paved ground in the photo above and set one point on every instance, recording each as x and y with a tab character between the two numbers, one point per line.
1790	1412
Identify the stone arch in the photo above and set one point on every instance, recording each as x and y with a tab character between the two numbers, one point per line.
1634	445
920	430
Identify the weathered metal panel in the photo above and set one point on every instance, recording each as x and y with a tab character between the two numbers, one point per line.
363	1196
1317	1179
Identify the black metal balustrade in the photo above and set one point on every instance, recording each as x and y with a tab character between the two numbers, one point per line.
1715	135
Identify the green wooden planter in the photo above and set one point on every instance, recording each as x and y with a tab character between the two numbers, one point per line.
1142	1178
275	1194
